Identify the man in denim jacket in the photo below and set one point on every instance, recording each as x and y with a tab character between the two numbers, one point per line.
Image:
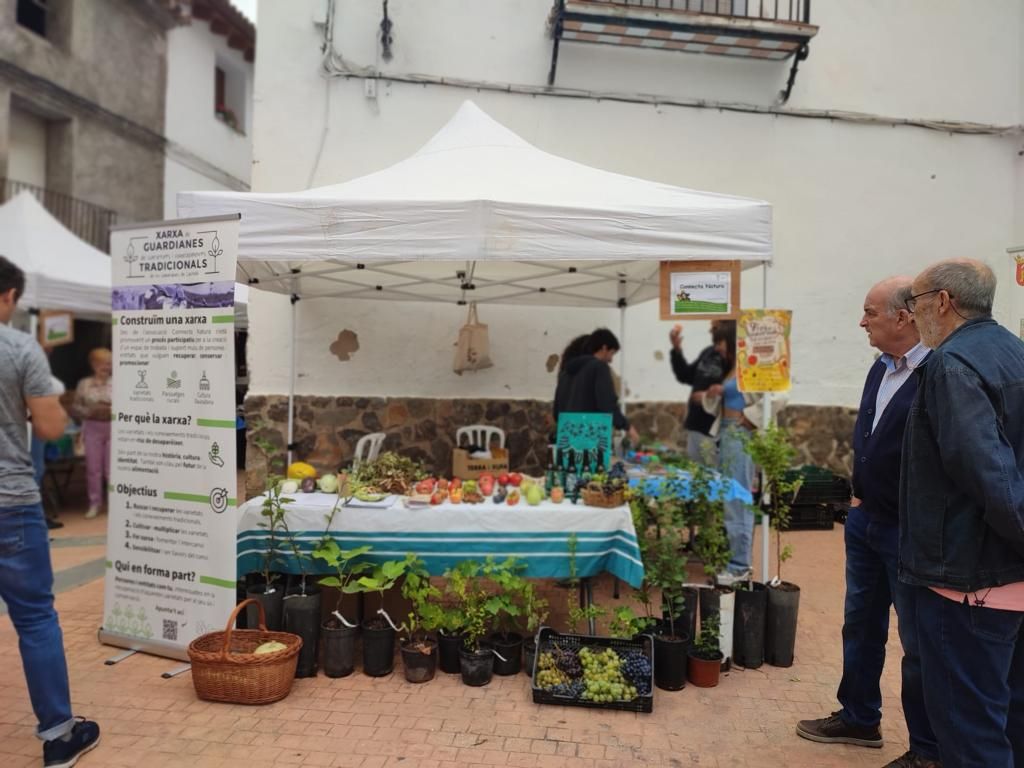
962	517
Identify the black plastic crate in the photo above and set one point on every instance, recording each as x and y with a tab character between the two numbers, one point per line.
819	486
546	637
811	517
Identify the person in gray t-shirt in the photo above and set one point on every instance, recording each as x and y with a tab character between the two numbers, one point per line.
27	391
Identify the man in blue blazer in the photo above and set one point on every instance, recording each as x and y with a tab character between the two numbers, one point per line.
872	542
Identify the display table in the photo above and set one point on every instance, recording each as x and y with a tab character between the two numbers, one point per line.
446	534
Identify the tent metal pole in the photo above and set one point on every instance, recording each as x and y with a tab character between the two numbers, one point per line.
291	379
622	355
765	520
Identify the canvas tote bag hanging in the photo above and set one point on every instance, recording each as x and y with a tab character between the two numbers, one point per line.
473	349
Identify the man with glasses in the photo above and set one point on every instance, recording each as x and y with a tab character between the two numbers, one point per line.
962	517
872	542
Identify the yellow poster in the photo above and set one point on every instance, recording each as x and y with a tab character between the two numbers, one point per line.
762	350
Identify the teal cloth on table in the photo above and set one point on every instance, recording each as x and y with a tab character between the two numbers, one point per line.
443	537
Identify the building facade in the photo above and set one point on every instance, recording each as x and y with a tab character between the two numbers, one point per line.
82	107
209	101
895	143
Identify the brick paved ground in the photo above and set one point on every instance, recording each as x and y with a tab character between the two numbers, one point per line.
365	723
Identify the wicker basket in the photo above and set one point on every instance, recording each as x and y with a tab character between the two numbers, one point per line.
224	667
593	496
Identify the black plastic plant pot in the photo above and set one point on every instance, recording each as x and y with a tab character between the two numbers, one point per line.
529	654
302	618
378	650
272	600
685	618
780	624
339	643
670	661
448	651
704	672
242	622
419	659
748	626
510	647
710	603
477	666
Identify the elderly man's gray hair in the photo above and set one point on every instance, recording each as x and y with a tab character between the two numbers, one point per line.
970	284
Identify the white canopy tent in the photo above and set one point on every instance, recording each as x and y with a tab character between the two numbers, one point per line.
479	214
62	272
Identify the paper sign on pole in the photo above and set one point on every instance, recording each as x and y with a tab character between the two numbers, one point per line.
762	350
171	531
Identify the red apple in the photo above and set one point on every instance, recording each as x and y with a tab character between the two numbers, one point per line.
503	478
514	479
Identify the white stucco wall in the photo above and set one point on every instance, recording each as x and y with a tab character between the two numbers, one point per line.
192	54
853	203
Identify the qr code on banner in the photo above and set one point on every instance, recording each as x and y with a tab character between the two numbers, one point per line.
170	629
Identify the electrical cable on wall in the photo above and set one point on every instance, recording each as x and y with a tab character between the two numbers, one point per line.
335	65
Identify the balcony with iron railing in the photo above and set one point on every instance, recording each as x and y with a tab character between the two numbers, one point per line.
88	222
757	30
798	11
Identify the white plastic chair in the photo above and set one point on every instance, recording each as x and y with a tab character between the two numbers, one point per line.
480	435
368	448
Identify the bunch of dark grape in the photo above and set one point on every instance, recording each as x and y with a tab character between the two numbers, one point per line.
568	662
636	667
573	689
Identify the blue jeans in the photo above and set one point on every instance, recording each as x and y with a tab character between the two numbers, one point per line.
872	556
739	517
973	661
26	585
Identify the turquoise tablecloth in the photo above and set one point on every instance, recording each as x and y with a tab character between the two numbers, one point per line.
444	535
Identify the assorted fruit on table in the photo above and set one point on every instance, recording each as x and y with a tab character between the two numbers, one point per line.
595	674
391	474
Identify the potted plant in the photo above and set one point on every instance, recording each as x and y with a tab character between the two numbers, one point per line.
506	604
450	636
302	609
269	594
704	661
772	450
379	632
475	659
419	650
666	569
338	635
536	609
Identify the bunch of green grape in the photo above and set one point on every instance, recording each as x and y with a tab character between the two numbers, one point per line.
602	677
548	673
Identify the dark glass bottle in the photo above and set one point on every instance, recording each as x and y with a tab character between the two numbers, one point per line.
571	478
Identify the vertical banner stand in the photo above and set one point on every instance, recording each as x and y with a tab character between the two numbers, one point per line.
171	539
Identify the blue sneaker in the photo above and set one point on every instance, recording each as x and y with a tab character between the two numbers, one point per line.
63	754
